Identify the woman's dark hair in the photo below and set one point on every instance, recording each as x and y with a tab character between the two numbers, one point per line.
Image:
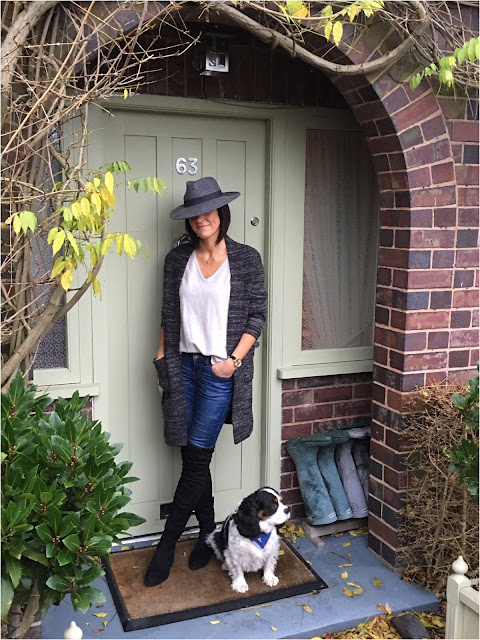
223	214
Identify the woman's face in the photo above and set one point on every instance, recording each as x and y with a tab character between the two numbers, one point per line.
206	225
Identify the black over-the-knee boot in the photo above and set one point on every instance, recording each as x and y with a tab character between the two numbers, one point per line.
205	514
195	471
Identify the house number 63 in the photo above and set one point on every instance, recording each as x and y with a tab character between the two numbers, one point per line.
181	166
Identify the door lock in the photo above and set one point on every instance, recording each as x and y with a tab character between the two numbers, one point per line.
254	221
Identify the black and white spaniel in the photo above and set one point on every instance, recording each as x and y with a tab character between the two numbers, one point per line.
248	539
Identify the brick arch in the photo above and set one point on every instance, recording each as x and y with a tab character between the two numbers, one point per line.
411	149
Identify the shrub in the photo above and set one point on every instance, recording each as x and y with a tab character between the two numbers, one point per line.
62	495
441	520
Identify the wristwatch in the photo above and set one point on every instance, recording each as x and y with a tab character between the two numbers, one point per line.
236	361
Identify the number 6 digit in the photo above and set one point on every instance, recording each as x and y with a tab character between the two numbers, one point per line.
181	166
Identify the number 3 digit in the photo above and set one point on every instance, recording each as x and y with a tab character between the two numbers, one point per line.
193	164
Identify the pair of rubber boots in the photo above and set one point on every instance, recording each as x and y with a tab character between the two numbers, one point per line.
192	495
333	472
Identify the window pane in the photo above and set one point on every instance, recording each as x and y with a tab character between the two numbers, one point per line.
340	243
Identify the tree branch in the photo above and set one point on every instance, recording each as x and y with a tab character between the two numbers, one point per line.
271	36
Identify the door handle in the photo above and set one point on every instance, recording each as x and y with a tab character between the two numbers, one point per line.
183	239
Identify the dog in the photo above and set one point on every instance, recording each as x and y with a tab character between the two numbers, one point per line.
248	539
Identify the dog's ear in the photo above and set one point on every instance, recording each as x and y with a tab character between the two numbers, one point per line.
246	518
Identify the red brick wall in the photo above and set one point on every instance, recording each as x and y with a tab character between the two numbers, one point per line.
317	405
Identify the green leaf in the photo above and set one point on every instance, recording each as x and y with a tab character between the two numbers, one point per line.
54	518
72	542
91	574
44	532
37	556
7	595
57	583
14	568
64	557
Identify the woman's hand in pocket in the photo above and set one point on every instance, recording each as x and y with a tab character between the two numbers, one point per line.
224	369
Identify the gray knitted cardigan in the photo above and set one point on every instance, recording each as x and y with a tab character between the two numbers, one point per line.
246	314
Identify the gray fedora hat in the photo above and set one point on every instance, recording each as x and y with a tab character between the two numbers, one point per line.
201	196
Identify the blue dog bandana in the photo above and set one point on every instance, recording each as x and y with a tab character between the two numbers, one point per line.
262	540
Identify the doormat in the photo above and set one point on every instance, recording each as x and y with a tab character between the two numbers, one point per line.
190	594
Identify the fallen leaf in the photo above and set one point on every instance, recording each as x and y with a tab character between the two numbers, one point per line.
337	535
273	628
214	621
281	552
352	584
349	554
358	591
306	608
87	623
346	544
384	609
377	582
98	630
347	592
154	544
300	532
100	615
308	562
344	575
125	548
358	532
349	564
388	608
105	623
257	614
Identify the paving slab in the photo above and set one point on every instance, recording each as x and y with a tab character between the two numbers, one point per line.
331	609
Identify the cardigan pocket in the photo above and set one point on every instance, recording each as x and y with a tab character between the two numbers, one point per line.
161	367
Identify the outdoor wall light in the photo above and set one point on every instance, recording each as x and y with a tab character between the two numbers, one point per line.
214	55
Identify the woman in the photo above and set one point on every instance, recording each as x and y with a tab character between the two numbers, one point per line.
213	313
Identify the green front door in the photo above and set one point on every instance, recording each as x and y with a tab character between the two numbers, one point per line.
175	148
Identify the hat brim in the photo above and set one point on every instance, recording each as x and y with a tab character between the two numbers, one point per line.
182	212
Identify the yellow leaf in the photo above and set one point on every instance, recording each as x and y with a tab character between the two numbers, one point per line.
107	197
97	203
358	532
154	544
352	12
97	290
109	182
347	592
58	241
308	562
348	564
58	267
281	552
344	575
85	205
96	182
337	535
306	608
358	591
273	628
214	621
76	209
337	32
105	623
100	615
129	245
73	242
352	584
124	548
388	608
328	29
377	582
119	243
346	544
257	614
125	94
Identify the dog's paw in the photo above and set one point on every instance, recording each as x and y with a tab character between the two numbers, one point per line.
240	586
270	580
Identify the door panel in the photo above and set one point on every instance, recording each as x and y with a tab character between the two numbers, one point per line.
234	152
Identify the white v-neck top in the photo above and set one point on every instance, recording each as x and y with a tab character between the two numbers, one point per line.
204	306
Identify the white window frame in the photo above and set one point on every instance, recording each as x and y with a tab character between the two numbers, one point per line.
78	374
298	363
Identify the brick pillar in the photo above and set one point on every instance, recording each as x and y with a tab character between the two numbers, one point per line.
426	157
